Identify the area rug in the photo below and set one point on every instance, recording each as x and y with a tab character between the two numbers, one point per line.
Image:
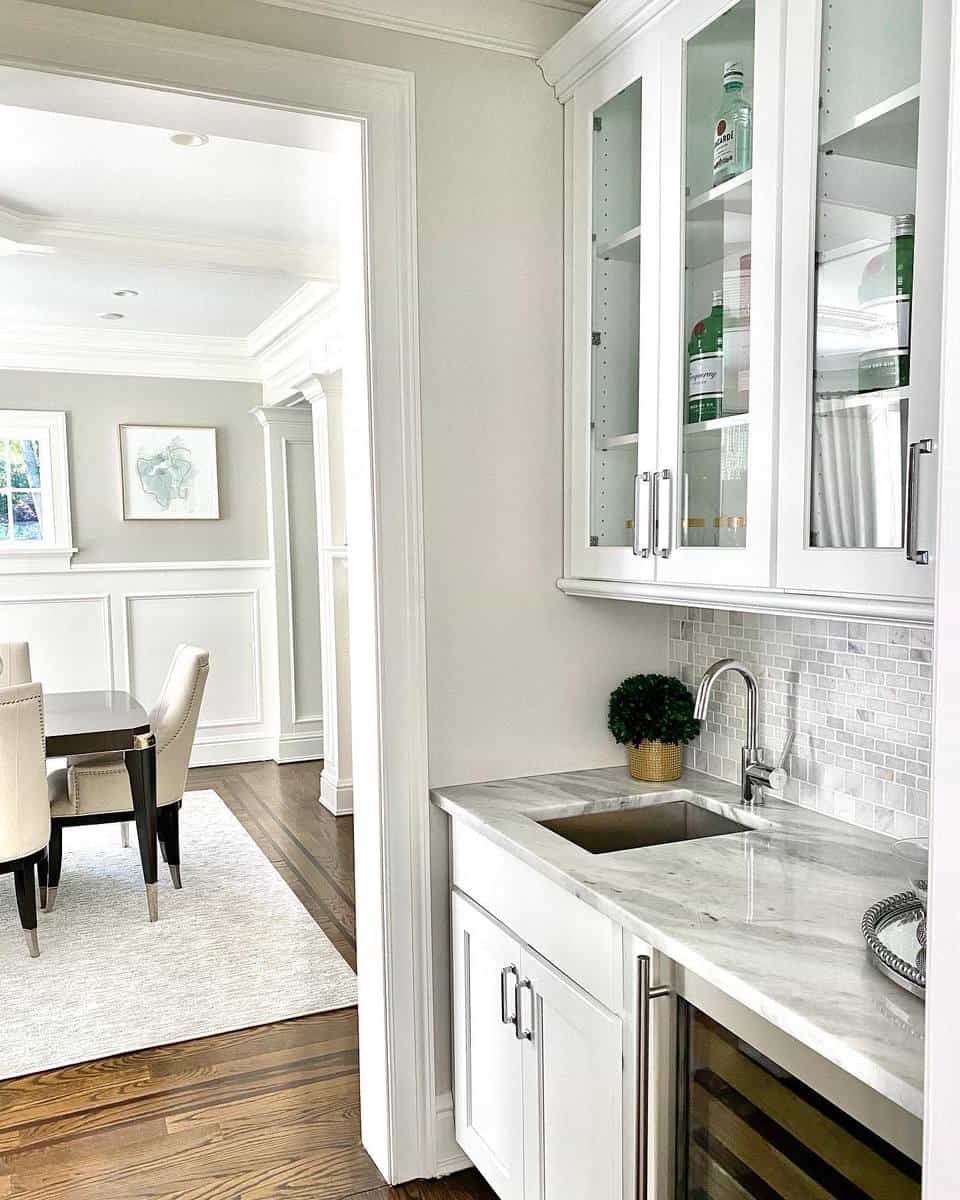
232	949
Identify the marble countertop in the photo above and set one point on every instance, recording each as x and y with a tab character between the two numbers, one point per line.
771	916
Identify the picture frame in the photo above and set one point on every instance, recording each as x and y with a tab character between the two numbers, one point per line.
169	472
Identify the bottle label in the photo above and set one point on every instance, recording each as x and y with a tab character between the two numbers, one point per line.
724	146
705	376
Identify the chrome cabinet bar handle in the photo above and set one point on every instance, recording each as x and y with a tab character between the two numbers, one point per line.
645	993
653	478
663	551
639	551
505	1015
924	446
524	1034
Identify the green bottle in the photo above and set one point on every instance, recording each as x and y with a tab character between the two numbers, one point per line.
705	366
733	129
888	282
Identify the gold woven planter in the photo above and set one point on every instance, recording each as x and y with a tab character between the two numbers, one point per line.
656	762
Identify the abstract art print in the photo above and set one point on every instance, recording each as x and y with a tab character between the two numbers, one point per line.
169	473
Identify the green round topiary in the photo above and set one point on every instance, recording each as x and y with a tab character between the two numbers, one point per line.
652	708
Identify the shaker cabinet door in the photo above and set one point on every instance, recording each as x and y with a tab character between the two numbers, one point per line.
612	131
573	1088
488	1081
721	128
863	235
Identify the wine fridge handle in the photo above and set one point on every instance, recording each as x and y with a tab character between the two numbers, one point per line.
924	446
644	994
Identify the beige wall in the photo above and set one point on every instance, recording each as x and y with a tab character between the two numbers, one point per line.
518	674
95	405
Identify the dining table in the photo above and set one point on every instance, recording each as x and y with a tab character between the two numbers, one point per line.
112	721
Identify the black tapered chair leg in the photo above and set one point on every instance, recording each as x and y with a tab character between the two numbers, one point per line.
43	876
26	885
55	862
168	829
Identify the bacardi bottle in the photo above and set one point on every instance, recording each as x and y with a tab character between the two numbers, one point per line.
733	128
705	365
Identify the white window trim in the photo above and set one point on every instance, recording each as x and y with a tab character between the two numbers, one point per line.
56	552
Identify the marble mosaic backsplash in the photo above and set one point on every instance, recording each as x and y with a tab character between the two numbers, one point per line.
851	699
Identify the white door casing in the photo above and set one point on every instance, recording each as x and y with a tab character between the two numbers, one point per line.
388	661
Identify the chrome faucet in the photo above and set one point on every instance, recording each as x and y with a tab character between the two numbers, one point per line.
755	775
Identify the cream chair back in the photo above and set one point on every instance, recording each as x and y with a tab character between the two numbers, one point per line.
14	664
24	805
174	719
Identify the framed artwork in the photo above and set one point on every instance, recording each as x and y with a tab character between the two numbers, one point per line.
169	473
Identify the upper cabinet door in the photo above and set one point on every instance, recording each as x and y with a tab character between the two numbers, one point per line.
611	339
863	221
722	100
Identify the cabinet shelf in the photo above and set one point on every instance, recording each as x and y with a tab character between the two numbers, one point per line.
832	402
623	439
624	248
734	195
884	133
732	421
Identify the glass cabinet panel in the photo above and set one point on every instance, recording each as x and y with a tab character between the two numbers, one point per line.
615	372
718	141
866	201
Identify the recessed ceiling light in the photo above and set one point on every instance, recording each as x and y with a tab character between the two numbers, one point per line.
189	139
126	292
110	316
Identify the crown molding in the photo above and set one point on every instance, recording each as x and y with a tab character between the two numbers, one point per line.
520	27
600	33
247	256
299	339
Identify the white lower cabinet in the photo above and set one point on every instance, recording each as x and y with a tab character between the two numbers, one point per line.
538	1069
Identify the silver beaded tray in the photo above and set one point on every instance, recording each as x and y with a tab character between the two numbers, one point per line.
895	931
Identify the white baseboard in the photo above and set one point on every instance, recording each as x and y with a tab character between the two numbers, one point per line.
214	752
450	1158
336	795
299	747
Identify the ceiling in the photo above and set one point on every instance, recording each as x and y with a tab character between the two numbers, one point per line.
214	238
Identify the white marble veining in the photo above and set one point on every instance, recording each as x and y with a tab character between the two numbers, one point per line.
770	916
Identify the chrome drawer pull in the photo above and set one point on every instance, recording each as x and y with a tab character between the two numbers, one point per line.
505	1015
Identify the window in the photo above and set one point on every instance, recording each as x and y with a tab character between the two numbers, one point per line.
34	488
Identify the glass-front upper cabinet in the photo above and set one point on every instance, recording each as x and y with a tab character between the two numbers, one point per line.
719	210
613	125
863	248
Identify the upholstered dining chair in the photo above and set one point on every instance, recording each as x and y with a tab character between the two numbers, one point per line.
24	810
14	664
93	789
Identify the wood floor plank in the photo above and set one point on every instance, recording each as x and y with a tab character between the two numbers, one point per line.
270	1113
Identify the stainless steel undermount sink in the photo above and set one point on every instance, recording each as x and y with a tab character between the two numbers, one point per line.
606	830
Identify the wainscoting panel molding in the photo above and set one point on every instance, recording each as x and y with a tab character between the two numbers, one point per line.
117	626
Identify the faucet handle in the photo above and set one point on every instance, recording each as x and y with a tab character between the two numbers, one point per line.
778	779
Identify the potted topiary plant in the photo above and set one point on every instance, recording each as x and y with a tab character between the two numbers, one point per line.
652	715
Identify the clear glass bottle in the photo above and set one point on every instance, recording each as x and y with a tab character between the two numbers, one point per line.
733	130
705	366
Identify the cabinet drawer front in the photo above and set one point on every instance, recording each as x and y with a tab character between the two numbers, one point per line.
579	941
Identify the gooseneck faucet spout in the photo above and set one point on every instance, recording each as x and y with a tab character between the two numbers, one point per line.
755	775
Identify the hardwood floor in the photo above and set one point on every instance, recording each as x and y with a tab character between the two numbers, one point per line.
271	1113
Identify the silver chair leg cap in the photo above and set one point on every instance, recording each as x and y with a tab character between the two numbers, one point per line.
152	905
125	834
51	899
175	875
33	942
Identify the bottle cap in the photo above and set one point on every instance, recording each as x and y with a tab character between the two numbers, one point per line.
718	298
903	224
733	71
